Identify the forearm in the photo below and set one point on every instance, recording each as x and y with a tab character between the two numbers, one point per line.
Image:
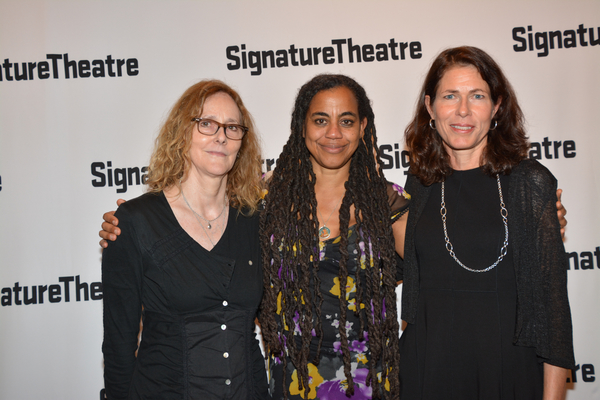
555	382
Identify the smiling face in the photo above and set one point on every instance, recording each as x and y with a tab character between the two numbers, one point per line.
463	111
214	156
333	129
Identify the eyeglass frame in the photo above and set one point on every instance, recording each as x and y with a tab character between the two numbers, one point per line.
220	125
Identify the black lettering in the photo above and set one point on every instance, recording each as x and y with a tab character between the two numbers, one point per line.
546	143
84	68
367	53
109	64
593	41
21	76
569	149
558	36
587	370
293	51
535	152
41	290
98	70
415	50
121	180
597	254
54	58
6	297
523	42
382	52
54	293
95	167
69	64
282	58
43	68
144	176
387	160
570	40
328	55
66	280
392	45
109	174
316	52
575	257
308	59
16	291
131	172
573	374
268	55
244	61
120	63
230	53
530	36
541	43
353	50
582	31
339	43
402	46
96	290
7	66
29	300
254	62
132	67
586	260
30	68
556	147
79	287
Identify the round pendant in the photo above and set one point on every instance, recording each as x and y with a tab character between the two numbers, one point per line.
324	232
209	225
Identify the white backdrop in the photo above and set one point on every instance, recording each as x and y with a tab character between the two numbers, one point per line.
58	134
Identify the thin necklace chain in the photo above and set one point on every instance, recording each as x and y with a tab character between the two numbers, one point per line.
200	223
209	226
503	250
324	231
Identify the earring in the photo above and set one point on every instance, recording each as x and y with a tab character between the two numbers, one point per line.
495	125
432	123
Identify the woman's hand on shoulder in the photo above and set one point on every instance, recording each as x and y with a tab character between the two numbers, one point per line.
110	231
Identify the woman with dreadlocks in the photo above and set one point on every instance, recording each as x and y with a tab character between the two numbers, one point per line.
328	315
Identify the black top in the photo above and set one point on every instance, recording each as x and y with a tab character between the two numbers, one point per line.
198	307
460	346
543	318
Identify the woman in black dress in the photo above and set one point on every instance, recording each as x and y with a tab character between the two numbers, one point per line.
188	261
484	294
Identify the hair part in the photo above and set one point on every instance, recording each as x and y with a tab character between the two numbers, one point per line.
170	160
507	145
290	248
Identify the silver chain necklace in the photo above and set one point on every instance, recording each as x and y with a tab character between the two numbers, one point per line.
503	250
208	222
200	223
324	231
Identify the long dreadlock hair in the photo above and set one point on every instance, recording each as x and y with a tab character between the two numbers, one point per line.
290	251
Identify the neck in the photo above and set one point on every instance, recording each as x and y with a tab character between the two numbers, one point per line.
206	196
462	160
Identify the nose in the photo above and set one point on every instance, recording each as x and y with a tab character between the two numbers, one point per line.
463	107
221	134
333	132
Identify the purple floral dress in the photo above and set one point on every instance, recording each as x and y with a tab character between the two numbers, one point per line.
327	380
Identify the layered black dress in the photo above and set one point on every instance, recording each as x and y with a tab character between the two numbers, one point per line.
460	345
198	306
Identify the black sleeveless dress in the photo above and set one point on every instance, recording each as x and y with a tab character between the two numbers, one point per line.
461	344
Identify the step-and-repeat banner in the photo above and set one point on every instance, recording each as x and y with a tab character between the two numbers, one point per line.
84	86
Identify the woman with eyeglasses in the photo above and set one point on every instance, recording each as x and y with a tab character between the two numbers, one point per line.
188	261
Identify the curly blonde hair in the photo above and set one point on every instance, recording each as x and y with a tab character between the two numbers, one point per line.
170	159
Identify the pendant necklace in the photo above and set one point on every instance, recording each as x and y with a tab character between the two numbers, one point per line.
324	231
503	250
208	222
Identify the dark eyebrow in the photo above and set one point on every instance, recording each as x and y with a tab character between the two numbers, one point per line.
324	114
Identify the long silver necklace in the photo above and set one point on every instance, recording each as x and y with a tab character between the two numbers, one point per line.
208	222
200	223
324	231
503	250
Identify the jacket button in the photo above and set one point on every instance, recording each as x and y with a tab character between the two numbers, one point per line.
226	355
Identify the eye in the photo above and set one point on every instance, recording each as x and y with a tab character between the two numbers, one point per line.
449	97
233	128
347	123
205	123
319	121
479	97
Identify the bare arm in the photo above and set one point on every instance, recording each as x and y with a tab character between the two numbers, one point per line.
110	231
555	382
399	229
561	211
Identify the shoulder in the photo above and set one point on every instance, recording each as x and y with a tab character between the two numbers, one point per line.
534	175
146	204
398	199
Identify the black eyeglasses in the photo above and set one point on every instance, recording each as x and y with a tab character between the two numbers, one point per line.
210	127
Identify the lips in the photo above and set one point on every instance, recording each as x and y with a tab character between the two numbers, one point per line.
462	127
